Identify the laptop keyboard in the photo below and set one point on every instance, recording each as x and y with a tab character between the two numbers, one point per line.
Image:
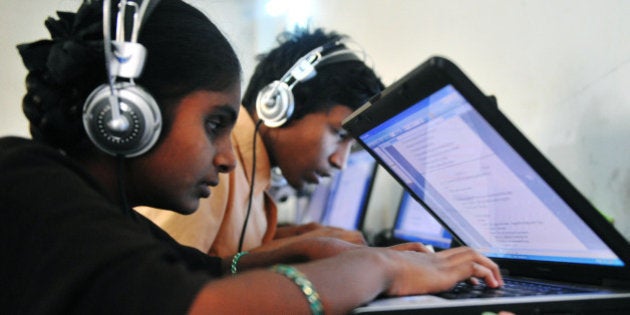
511	288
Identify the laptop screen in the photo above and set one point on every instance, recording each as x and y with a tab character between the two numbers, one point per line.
479	186
415	224
343	201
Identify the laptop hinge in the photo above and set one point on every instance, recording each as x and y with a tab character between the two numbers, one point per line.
616	283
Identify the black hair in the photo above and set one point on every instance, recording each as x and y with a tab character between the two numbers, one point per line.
185	52
350	83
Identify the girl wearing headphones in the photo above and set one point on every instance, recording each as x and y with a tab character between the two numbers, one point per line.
73	245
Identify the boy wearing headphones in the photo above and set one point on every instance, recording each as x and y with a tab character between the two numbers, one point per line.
291	119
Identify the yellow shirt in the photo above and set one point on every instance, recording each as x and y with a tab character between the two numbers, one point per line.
215	227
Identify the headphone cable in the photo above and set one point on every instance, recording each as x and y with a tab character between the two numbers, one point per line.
124	204
251	188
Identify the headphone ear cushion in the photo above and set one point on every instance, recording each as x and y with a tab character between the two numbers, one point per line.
137	106
275	104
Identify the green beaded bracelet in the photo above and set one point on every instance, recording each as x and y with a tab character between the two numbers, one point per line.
317	308
238	256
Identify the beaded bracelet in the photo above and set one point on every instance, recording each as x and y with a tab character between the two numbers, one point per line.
315	304
238	256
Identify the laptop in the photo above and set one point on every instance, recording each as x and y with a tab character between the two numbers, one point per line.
455	153
342	202
414	223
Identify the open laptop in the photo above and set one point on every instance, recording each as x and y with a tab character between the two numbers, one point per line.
464	161
342	202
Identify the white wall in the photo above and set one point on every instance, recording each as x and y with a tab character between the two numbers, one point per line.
20	21
558	68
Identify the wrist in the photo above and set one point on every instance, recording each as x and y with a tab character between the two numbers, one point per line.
234	262
306	286
387	262
390	263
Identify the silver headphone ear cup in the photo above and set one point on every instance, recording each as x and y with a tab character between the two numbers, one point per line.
275	104
137	106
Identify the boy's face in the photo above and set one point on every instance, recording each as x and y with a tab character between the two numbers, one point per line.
198	147
311	147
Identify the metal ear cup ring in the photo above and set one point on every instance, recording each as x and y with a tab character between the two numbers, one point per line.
130	139
275	104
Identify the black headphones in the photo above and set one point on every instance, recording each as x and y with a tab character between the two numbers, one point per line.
121	118
275	102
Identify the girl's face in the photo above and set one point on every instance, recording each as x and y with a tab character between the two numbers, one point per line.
176	173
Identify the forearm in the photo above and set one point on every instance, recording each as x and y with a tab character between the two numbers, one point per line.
291	252
292	233
350	279
263	291
294	230
282	254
